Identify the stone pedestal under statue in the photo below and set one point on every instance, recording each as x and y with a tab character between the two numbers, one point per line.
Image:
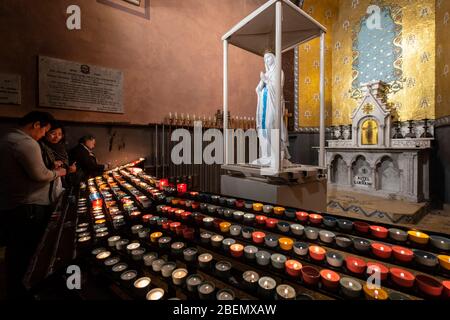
310	194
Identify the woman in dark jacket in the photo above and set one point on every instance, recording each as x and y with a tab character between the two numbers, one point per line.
86	161
55	156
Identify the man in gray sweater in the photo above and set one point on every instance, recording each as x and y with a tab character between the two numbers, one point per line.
24	195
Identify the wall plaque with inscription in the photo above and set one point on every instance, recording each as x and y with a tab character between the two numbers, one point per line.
72	85
10	89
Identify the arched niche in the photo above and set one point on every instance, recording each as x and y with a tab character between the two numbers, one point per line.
388	175
339	170
362	173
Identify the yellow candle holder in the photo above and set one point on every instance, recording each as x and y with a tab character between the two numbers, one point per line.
279	210
175	201
100	221
155	236
225	227
444	261
418	237
375	293
258	207
286	243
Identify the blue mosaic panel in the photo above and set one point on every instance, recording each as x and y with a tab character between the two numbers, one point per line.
376	51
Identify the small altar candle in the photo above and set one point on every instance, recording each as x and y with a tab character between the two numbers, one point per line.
182	188
258	237
143	233
138	254
286	292
267	208
118	268
206	291
154	237
375	293
258	207
174	226
122	243
250	252
177	248
351	288
190	254
133	246
302	216
238	215
261	220
286	244
128	276
149	258
247	232
418	237
167	269
205	237
113	240
330	279
204	260
271	223
223	269
141	286
179	276
193	281
103	255
235	230
189	233
262	258
208	222
226	244
216	240
225	294
266	287
278	260
249	218
293	268
379	232
317	253
155	294
157	264
279	211
164	242
271	240
163	183
251	279
136	228
237	250
225	227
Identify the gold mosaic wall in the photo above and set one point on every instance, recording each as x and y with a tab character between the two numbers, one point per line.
416	100
442	58
324	11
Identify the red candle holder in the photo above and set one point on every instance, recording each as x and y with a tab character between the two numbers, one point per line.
174	226
166	225
146	218
189	233
315	218
271	223
240	203
402	254
302	216
317	253
258	237
446	285
293	268
361	227
237	250
178	213
163	183
182	202
165	209
311	275
261	220
330	279
182	188
171	212
402	277
373	267
381	250
355	265
186	215
179	230
195	205
216	224
429	286
379	232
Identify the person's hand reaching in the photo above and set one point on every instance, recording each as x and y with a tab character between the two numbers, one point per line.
61	172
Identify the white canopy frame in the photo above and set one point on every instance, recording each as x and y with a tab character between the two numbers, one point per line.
278	25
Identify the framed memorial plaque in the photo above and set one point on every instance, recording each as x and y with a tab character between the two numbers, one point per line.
135	2
10	89
73	85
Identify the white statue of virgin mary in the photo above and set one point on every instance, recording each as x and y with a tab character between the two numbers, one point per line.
265	114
